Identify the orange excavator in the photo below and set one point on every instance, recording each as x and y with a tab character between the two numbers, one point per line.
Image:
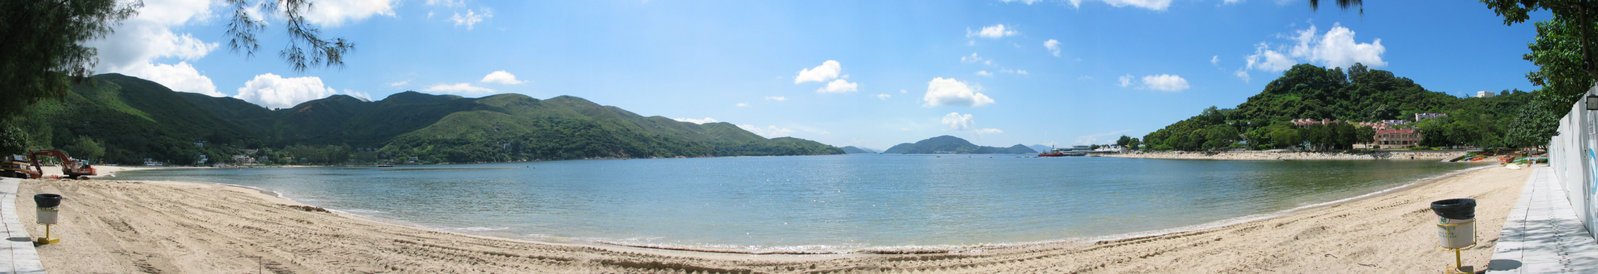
72	168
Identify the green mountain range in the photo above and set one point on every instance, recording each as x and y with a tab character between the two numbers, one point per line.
121	119
953	145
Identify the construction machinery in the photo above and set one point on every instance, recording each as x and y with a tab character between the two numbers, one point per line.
71	168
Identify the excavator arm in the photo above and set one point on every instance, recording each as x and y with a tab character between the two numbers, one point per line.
72	168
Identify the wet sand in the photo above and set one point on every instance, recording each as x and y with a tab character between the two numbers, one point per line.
126	227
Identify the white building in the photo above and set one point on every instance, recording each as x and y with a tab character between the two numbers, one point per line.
1484	94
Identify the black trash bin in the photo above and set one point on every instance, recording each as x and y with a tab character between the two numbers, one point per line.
1457	225
47	200
1458	209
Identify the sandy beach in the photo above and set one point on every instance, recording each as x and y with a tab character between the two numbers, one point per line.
1292	155
124	227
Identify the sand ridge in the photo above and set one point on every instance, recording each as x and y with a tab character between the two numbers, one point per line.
127	227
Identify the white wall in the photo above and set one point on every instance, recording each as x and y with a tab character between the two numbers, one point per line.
1573	155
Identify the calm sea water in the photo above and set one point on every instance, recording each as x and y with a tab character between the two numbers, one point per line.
822	202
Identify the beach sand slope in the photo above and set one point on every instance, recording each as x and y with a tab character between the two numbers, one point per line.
127	227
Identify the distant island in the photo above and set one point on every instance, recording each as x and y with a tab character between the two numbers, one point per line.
113	118
953	145
858	150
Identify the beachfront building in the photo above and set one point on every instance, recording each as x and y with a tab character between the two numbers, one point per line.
1109	148
241	159
1397	138
1311	122
1429	115
1484	94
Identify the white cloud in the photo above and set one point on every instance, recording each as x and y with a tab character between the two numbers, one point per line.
1335	48
993	32
839	86
975	59
776	98
1229	2
178	77
273	91
884	96
984	73
1165	82
146	46
174	12
471	18
501	77
358	95
1241	74
1156	5
1215	60
1125	80
950	92
1020	72
989	131
1076	3
957	121
400	83
828	70
1027	2
741	105
335	13
1265	59
1053	46
446	3
459	88
144	43
701	121
768	131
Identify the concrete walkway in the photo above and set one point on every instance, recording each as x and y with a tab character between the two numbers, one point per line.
1543	234
19	255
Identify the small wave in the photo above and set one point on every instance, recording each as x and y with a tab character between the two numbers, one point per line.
741	249
480	228
262	190
362	211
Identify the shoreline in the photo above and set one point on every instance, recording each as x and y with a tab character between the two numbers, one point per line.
765	262
1258	155
823	249
957	248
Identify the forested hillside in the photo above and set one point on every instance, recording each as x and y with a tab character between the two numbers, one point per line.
121	119
1359	94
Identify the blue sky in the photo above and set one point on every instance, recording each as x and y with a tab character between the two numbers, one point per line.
866	73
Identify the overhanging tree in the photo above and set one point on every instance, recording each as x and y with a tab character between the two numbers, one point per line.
42	42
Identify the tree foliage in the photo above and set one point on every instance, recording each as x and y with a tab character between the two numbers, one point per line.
42	42
307	47
1360	94
1566	54
1576	21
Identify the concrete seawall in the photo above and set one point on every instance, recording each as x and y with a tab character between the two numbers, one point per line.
1285	155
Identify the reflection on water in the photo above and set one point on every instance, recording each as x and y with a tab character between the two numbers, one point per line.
828	201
